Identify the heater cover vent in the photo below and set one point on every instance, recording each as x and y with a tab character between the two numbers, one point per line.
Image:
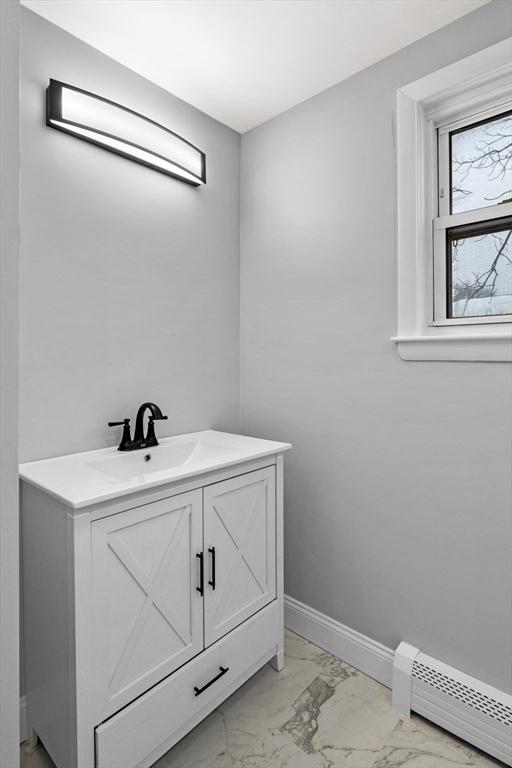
470	708
462	693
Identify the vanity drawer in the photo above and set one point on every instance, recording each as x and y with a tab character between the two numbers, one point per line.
147	728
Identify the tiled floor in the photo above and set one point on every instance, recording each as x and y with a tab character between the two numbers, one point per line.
317	713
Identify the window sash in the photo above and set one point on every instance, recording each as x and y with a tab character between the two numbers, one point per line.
446	220
441	276
443	132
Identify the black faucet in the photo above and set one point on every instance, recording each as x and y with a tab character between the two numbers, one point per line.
139	441
156	415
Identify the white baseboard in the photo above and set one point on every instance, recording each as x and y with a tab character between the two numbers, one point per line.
361	652
23	719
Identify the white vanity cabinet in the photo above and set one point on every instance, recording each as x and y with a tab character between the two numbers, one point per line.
143	612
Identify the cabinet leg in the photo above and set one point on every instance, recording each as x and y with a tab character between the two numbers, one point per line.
277	661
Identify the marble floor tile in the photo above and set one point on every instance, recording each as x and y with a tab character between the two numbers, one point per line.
296	647
342	718
275	749
319	712
35	757
418	743
211	743
266	698
358	716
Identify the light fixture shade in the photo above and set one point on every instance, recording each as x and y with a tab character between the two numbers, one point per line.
123	131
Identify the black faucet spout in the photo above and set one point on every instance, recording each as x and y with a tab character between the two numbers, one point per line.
156	415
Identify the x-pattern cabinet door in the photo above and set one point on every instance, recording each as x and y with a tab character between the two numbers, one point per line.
147	612
240	526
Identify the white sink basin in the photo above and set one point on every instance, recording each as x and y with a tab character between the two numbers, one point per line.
127	466
81	479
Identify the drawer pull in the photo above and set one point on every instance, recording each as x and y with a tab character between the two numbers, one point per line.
200	588
211	550
222	672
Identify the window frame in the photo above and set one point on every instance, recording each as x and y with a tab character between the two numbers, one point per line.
470	86
446	219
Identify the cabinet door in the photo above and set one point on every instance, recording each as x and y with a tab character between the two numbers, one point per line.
148	614
240	526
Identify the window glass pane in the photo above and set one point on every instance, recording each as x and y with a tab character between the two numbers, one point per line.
481	164
480	270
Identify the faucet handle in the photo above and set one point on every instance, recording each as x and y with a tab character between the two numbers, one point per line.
150	435
126	440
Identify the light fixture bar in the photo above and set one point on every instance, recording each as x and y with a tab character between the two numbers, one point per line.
123	131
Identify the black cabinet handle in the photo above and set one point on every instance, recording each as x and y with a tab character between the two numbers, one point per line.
222	672
211	550
200	588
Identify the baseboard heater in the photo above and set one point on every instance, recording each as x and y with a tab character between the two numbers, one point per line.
469	708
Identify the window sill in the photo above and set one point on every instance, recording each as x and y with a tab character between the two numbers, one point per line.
488	347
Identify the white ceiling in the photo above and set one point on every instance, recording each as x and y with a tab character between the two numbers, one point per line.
245	61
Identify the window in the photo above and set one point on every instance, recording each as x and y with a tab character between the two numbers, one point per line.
472	237
454	227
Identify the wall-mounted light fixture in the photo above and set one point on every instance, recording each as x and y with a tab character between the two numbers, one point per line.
123	131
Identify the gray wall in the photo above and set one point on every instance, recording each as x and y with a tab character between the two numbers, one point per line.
9	260
397	490
129	279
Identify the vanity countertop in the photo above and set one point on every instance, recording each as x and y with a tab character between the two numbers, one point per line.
82	479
